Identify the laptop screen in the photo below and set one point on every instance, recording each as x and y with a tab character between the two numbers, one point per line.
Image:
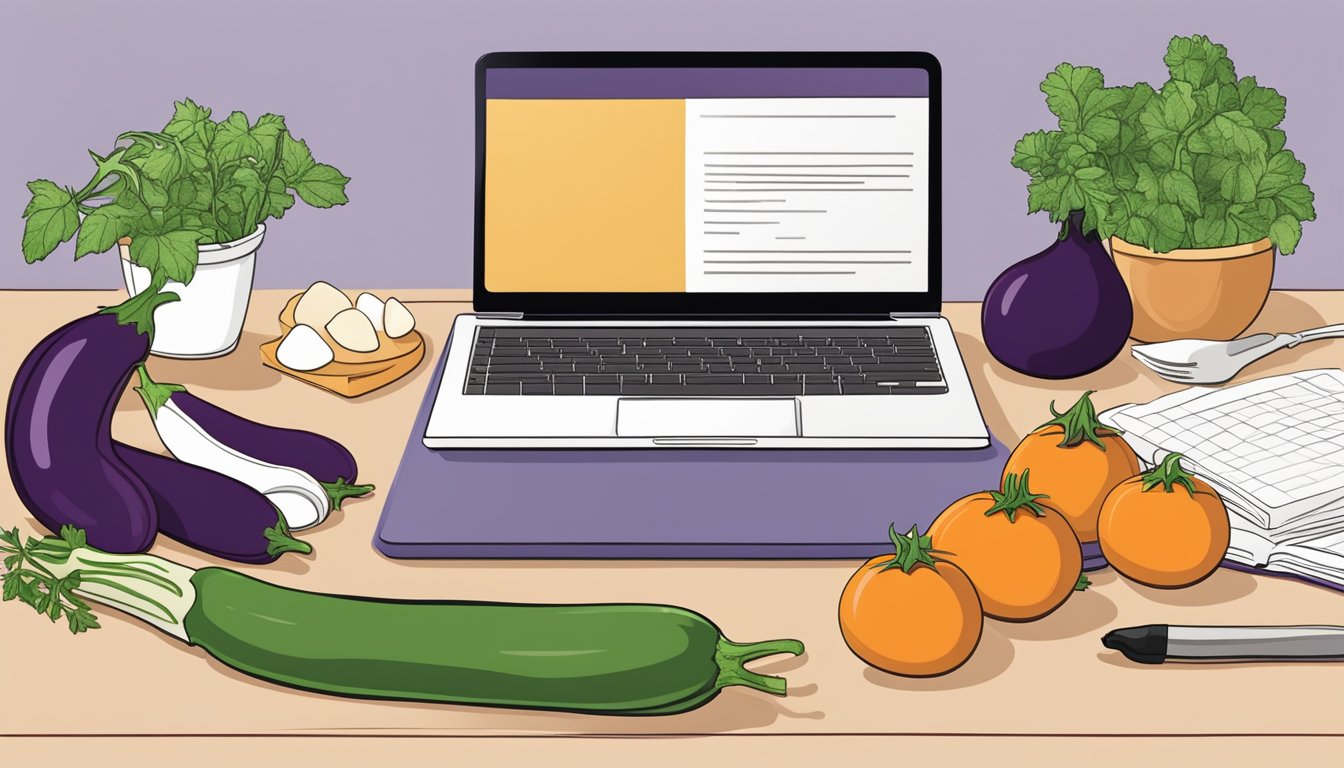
707	180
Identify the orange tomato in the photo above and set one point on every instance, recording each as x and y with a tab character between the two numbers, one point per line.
1021	554
1166	528
910	613
1075	462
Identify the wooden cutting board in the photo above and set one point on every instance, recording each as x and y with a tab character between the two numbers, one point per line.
350	374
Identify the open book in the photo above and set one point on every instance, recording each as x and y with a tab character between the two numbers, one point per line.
1274	450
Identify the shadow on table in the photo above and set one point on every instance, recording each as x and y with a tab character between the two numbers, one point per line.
1223	586
991	659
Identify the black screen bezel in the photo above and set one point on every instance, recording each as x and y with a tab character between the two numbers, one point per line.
801	304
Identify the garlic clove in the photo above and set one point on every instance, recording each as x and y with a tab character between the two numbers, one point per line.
372	307
397	319
319	304
304	349
353	330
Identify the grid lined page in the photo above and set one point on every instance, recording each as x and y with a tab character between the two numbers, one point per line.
1278	441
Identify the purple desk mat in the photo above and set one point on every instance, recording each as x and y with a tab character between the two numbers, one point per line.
668	503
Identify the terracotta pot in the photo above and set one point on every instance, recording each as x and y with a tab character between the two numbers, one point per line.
1195	293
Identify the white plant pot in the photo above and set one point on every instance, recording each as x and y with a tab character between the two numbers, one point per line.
208	319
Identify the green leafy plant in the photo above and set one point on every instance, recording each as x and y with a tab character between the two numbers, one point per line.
196	181
1198	163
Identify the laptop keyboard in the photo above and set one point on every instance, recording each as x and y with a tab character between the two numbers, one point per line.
696	362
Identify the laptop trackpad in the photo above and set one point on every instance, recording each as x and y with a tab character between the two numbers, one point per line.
691	417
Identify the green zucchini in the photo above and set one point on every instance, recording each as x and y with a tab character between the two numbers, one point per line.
621	659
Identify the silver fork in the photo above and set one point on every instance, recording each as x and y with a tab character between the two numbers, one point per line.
1198	361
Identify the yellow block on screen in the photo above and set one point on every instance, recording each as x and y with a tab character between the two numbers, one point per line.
585	195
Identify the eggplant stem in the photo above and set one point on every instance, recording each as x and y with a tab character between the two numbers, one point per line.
139	309
152	392
340	490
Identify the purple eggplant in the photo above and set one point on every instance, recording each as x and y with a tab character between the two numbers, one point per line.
58	428
1061	313
212	512
321	458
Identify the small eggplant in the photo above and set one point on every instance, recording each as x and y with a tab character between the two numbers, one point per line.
303	500
58	427
212	512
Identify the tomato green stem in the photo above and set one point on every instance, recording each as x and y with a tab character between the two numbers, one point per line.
1015	497
912	550
1080	423
1169	473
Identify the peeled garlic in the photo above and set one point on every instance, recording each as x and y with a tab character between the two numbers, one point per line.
397	319
353	330
319	304
372	307
304	350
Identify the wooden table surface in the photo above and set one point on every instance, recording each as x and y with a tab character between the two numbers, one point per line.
1042	691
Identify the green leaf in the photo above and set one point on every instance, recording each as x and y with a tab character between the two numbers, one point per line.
1238	185
1250	224
172	254
1043	193
295	158
1034	153
1179	187
267	132
278	198
1276	139
1264	106
188	120
51	219
1067	90
1089	172
1146	182
1139	231
322	186
75	537
1210	232
1169	226
1285	232
1235	130
234	140
101	229
1297	200
182	193
1197	61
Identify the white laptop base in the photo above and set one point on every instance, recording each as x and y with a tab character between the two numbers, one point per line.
945	420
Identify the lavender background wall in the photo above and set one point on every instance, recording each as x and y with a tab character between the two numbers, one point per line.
382	89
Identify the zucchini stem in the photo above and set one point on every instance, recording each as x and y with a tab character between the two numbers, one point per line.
731	658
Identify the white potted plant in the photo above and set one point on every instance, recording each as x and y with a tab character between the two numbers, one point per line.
187	208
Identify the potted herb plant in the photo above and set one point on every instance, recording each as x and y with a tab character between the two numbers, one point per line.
1191	183
187	207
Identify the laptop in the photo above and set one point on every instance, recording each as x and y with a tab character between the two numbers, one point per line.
706	250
